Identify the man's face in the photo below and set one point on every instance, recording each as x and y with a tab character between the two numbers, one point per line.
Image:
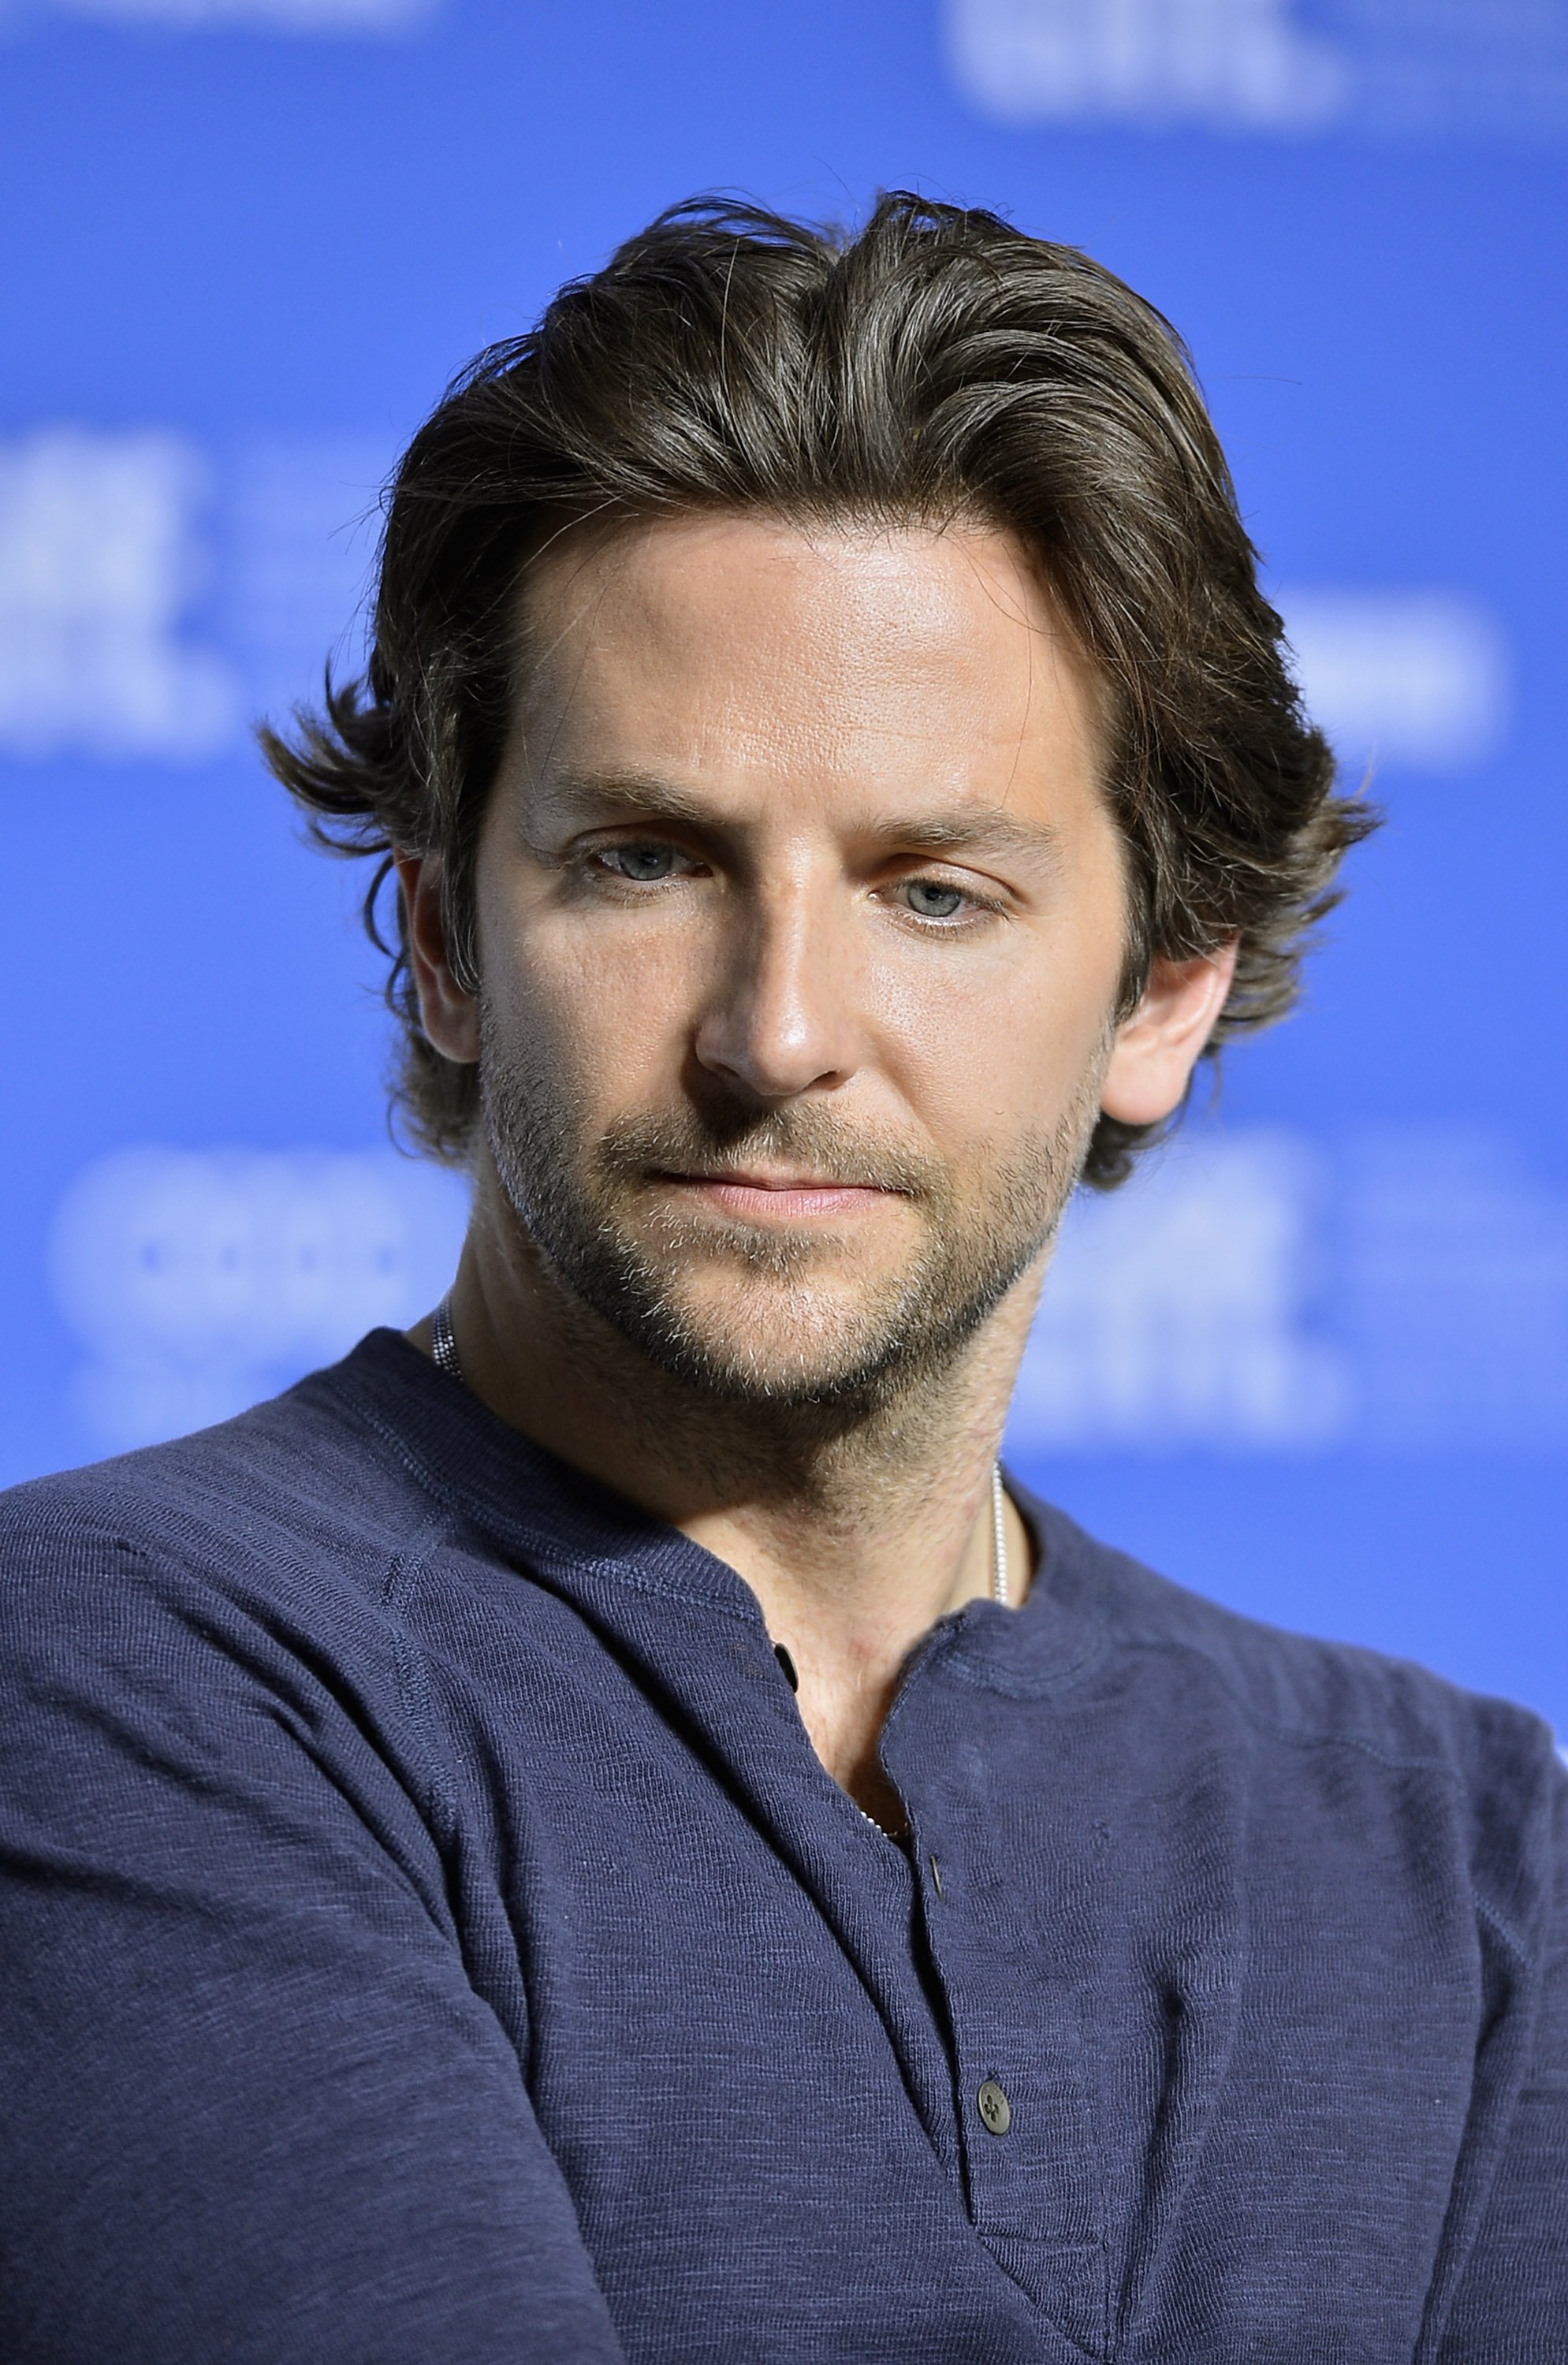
800	924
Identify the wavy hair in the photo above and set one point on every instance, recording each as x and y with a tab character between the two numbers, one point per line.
937	363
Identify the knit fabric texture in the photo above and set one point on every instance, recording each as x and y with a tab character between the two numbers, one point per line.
427	1937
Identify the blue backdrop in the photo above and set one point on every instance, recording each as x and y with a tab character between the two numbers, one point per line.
1317	1362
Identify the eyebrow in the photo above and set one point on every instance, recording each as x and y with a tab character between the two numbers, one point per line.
988	829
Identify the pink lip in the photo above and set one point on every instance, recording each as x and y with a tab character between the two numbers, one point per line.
792	1196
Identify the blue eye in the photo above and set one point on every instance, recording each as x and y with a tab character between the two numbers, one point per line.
932	900
641	862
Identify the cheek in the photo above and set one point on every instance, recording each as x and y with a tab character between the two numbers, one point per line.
991	1051
602	1009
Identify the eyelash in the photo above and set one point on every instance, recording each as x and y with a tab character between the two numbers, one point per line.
601	859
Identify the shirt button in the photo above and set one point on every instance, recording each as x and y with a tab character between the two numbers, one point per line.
994	2107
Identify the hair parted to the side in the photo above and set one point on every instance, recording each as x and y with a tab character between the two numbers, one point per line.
936	364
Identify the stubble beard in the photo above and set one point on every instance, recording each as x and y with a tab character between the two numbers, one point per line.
788	1345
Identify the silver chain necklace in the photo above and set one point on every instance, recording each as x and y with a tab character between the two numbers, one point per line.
444	1344
444	1354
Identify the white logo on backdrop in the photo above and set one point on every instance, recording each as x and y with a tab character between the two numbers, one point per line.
152	601
1175	1312
1280	67
1247	1292
1241	62
98	560
265	15
111	547
198	1281
1456	1290
1251	1292
297	532
1404	677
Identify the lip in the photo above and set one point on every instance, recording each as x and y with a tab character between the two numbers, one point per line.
792	1196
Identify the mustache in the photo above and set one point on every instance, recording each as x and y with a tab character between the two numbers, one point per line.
721	1141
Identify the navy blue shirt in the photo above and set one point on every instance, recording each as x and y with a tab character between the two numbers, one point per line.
426	1934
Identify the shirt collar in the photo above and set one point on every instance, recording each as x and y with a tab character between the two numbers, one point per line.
596	1548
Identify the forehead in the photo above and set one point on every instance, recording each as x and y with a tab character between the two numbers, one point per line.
740	646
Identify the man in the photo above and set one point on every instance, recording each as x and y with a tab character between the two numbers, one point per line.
601	1831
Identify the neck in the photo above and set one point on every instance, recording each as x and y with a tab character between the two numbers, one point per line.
856	1529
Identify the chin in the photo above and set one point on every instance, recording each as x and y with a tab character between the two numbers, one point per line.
772	1352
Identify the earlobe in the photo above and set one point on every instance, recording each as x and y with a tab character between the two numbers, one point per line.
1156	1047
448	1012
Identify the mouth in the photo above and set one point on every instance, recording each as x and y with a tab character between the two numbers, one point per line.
763	1196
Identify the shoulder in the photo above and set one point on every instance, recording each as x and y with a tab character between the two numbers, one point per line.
227	1617
297	1506
1340	1727
1301	1686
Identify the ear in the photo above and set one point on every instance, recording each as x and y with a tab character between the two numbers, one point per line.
448	1012
1156	1047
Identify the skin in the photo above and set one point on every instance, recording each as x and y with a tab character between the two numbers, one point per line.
808	824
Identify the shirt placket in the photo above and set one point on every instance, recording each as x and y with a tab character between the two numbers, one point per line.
1022	2083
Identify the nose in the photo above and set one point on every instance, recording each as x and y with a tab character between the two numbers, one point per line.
780	1021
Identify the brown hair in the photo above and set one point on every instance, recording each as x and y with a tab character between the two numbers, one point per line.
938	363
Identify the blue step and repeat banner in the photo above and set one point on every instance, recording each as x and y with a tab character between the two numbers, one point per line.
1316	1362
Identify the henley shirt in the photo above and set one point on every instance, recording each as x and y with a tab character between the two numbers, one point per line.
427	1937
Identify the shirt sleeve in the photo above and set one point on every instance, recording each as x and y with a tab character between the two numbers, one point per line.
254	2107
1511	2306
